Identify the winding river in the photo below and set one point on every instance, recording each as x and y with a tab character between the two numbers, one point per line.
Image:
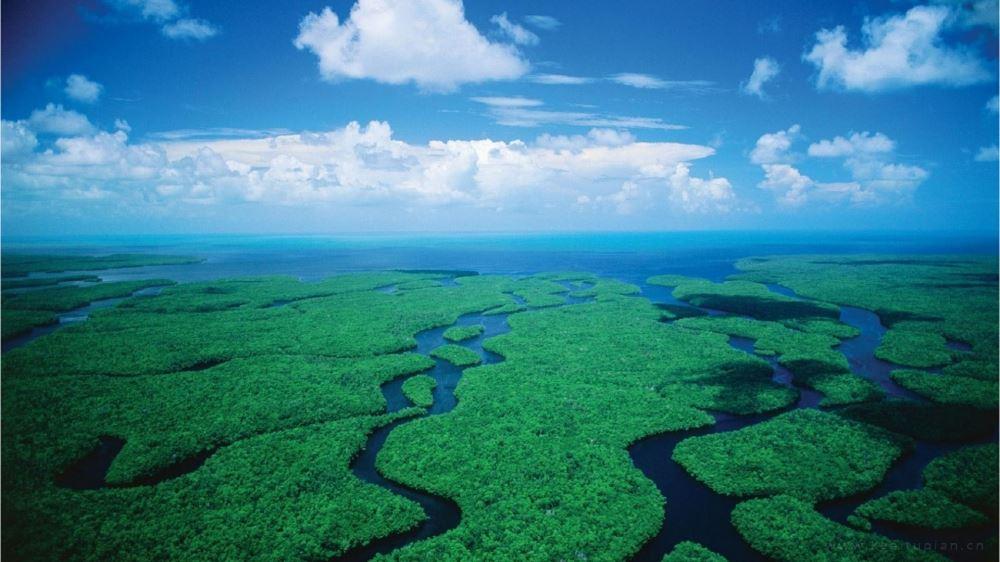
693	511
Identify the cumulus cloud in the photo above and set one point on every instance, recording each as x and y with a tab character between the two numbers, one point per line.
560	79
358	165
899	51
987	154
594	137
187	28
56	120
548	23
697	195
867	157
773	147
16	139
82	89
764	70
787	182
426	42
515	32
857	143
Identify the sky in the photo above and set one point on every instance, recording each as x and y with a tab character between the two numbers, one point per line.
330	116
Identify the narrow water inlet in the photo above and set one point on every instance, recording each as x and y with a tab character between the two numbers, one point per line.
442	513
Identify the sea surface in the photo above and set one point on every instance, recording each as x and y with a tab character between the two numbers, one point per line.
629	257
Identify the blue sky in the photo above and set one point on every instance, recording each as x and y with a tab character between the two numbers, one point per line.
159	116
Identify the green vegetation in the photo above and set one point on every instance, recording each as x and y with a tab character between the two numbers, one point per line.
34	282
921	508
277	382
536	454
674	311
915	345
806	453
927	422
284	395
457	355
947	389
64	299
924	300
20	265
419	389
24	311
742	297
787	528
688	551
17	322
968	475
164	334
809	356
418	284
287	495
462	333
166	418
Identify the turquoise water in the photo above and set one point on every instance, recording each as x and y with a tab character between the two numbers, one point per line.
627	256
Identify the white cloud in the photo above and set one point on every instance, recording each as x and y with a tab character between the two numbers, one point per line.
987	154
16	140
788	182
877	176
500	101
899	51
82	89
773	147
857	143
188	28
764	70
867	157
697	195
358	165
516	32
992	105
560	79
528	117
548	23
168	14
56	120
637	80
650	82
598	137
426	42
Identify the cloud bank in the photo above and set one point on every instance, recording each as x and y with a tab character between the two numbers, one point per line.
606	170
874	178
